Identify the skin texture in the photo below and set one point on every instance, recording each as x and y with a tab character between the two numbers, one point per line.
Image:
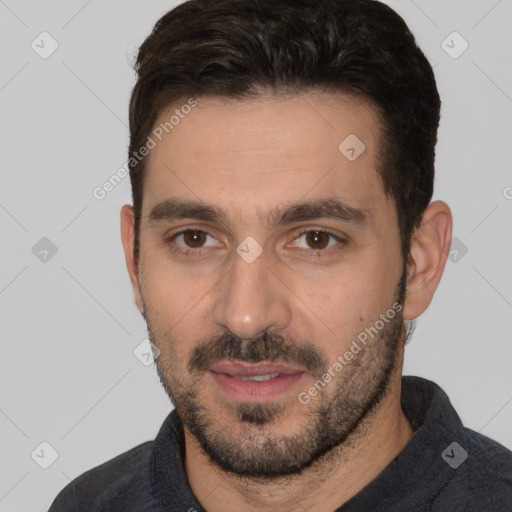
249	158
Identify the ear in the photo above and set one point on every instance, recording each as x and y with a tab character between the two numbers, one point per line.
427	258
128	239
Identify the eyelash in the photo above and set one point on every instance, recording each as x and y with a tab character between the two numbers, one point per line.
199	252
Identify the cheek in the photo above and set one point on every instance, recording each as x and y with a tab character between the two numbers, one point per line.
162	292
339	308
177	305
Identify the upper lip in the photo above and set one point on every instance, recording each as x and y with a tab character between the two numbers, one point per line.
251	369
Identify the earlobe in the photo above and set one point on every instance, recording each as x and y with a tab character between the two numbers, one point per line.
427	259
128	239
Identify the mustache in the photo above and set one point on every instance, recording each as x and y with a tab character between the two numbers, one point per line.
267	347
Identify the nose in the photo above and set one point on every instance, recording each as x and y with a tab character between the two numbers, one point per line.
251	300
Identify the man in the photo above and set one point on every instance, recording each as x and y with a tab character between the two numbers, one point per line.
282	166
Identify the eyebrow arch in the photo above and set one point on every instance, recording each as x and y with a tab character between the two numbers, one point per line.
319	209
176	209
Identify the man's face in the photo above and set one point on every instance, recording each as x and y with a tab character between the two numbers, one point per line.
254	301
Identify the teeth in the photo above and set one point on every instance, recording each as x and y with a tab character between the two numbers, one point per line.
257	378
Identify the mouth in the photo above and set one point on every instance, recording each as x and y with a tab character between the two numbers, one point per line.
255	382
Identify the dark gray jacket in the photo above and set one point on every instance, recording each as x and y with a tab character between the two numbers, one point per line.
443	468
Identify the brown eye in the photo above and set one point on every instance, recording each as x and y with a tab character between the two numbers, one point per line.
194	239
317	239
192	242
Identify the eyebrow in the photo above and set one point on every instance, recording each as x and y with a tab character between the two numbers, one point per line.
177	209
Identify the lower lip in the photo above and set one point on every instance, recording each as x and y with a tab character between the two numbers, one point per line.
253	391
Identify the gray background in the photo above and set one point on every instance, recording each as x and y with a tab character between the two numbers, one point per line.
68	374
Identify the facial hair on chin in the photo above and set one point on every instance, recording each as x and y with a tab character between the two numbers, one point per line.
252	448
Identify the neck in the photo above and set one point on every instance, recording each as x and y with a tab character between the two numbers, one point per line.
368	450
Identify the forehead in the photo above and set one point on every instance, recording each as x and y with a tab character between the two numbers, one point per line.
265	151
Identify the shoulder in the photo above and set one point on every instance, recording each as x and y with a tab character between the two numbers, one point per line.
482	475
491	465
125	474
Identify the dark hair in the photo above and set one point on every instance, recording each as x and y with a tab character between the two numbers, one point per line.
241	48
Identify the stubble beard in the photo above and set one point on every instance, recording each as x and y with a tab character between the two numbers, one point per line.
251	443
